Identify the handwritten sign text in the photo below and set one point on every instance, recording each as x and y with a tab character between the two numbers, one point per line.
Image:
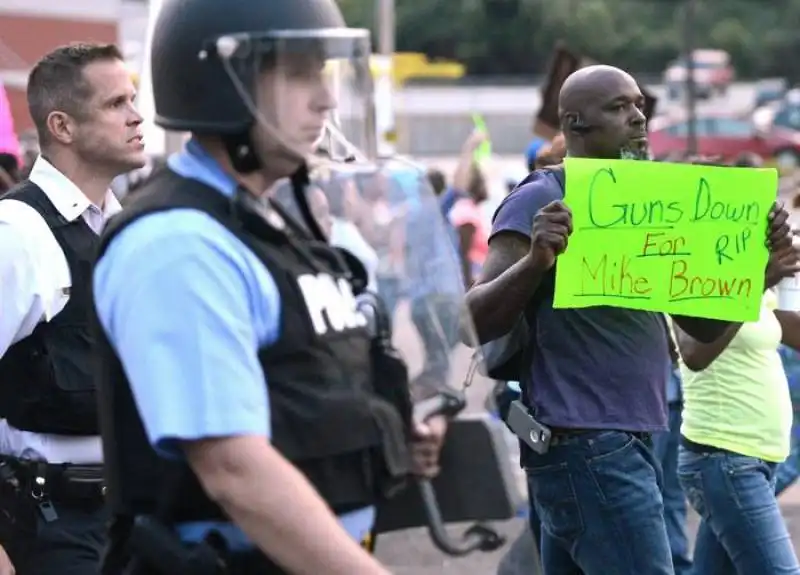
672	238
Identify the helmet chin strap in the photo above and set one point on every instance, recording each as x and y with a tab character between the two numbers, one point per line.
241	152
245	160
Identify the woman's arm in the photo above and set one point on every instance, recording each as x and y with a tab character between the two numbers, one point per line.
462	175
790	325
698	356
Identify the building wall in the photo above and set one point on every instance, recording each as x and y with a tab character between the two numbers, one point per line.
31	28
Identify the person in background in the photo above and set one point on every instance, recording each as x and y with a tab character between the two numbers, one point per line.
551	154
665	449
461	178
383	226
52	512
29	147
346	212
435	307
597	377
736	428
437	180
532	151
789	470
469	184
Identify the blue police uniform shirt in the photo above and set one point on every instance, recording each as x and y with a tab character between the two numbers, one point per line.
186	306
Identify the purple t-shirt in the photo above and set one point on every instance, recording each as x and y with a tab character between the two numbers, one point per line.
593	368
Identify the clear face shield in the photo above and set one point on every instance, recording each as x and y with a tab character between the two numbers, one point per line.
310	91
388	217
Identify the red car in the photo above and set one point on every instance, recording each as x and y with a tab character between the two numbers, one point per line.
728	137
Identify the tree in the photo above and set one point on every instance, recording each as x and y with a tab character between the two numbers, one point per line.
515	37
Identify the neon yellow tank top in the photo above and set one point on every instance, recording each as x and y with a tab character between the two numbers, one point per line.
741	401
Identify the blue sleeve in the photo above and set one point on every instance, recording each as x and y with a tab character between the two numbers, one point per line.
186	307
516	211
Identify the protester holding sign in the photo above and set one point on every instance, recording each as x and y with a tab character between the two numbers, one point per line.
737	421
596	379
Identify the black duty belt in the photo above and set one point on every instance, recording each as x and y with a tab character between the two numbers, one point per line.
54	482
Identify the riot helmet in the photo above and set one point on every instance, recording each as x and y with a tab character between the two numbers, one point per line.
266	76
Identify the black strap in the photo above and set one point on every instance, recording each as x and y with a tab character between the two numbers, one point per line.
170	488
300	181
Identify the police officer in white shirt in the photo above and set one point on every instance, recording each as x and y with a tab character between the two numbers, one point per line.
81	99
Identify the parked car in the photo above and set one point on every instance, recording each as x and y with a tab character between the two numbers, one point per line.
713	74
768	91
785	113
728	138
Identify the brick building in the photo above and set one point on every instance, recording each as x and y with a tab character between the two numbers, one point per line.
31	28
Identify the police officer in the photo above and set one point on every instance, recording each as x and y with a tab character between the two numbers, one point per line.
52	513
243	429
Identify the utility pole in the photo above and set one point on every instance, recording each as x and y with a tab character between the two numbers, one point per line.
691	88
385	25
385	121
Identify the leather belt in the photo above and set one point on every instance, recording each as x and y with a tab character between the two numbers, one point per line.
560	435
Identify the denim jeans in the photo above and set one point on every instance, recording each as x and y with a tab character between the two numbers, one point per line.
741	528
598	498
665	448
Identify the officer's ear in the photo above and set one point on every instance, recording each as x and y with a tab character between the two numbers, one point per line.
360	278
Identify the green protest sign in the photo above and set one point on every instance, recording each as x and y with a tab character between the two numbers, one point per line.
674	238
484	150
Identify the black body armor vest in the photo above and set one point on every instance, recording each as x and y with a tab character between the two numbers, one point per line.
47	379
327	418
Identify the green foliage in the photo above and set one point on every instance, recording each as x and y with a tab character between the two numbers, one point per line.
515	37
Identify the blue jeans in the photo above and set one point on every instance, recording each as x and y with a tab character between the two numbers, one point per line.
598	498
741	528
665	448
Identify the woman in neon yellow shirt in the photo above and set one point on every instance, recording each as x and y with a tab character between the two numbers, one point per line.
737	420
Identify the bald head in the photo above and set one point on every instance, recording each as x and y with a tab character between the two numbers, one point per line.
600	111
589	84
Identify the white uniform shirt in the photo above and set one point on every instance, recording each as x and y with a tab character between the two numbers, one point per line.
34	287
